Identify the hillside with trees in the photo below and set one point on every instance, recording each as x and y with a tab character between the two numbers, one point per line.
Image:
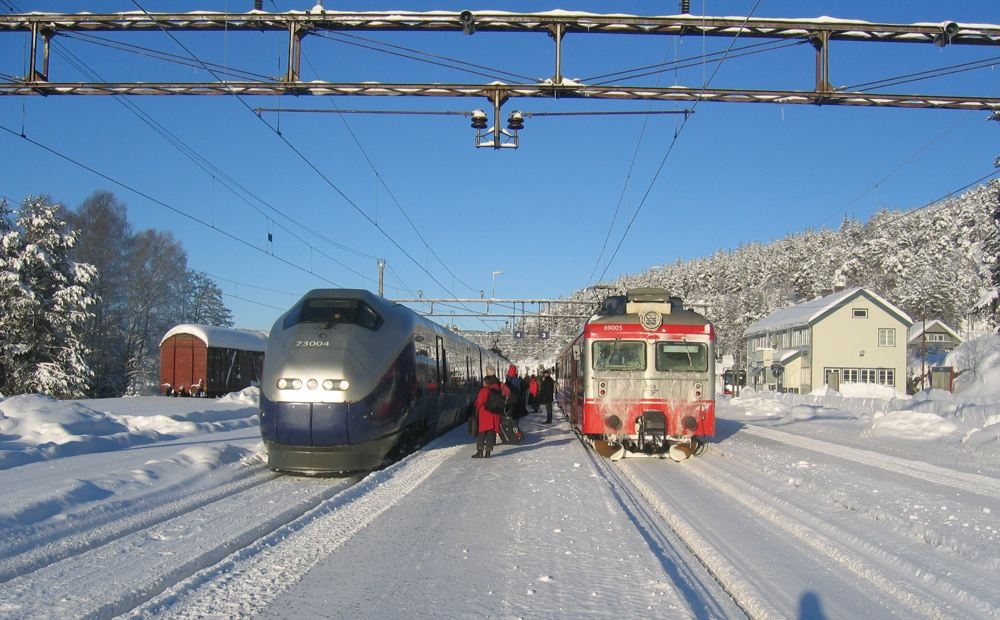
938	262
83	300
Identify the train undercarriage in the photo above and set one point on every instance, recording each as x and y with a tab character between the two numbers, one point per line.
650	439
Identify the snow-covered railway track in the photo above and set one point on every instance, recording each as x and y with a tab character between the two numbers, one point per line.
710	583
243	583
26	549
969	482
825	531
152	549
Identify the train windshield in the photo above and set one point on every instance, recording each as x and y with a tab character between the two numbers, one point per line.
619	355
682	356
332	312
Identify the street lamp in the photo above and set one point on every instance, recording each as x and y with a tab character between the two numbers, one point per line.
495	274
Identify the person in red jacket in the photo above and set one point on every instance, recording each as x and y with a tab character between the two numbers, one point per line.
489	422
533	393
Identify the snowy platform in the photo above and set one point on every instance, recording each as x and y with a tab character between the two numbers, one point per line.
531	532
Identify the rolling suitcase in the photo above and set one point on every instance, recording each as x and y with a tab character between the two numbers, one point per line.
509	431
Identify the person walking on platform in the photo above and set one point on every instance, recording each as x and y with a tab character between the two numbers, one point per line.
546	394
533	393
489	422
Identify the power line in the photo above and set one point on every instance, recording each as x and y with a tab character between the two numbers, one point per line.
139	192
392	196
670	148
691	61
496	73
216	173
299	153
628	177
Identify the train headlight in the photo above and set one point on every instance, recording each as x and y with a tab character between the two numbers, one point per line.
312	384
288	383
339	384
698	390
602	388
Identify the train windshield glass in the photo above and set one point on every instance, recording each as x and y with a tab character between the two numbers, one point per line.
619	355
681	356
332	312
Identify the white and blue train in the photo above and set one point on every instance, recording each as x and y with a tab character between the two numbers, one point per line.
351	379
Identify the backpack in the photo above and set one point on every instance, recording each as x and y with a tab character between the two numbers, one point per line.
495	402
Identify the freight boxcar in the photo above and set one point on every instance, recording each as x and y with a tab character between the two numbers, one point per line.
203	360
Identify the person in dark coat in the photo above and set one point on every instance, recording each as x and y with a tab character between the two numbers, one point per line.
516	408
546	394
489	422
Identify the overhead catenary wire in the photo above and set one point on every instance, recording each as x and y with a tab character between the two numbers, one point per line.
306	160
176	59
670	149
985	63
625	184
438	60
154	200
688	62
216	173
395	200
206	165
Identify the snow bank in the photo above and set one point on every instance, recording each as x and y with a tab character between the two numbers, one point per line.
35	427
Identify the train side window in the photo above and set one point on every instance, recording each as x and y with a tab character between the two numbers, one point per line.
681	357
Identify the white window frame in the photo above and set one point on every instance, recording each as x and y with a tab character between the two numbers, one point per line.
886	336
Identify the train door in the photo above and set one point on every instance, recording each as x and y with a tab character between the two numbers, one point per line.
442	365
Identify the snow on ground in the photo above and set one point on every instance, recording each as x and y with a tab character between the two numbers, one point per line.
799	500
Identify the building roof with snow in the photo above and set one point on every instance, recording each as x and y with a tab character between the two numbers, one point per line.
920	327
221	337
810	312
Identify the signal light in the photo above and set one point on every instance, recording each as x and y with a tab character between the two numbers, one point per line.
478	119
515	121
468	21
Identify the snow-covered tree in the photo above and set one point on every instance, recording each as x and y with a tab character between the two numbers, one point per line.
205	304
989	302
156	284
45	304
104	241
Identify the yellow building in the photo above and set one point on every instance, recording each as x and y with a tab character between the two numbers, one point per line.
850	336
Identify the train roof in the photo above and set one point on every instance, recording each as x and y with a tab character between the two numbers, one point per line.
221	337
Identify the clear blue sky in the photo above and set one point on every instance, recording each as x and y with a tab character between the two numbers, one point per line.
737	173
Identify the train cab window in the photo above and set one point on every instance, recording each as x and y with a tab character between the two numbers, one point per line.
619	355
332	312
681	356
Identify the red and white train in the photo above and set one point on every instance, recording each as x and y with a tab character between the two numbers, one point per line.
640	377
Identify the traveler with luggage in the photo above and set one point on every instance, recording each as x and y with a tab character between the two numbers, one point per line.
490	403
